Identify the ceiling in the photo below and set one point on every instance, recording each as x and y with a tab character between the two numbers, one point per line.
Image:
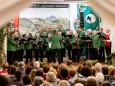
59	1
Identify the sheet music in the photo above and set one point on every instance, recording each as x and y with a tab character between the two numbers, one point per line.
49	44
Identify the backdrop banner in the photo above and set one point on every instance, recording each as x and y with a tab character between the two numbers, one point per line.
91	19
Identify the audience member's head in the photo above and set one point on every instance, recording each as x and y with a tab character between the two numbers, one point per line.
12	69
111	71
3	80
105	70
26	80
39	72
55	66
28	70
91	81
79	67
98	67
72	72
99	78
38	80
45	83
5	66
36	64
18	74
69	62
88	63
15	63
21	65
93	71
32	74
78	80
46	68
106	83
78	84
53	70
64	73
63	83
51	77
85	71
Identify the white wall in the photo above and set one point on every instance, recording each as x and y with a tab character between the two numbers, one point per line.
104	24
73	15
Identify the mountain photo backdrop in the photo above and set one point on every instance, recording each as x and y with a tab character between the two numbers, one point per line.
33	18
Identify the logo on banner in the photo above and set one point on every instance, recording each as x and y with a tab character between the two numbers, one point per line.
90	18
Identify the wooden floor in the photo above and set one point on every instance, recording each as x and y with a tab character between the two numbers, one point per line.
64	60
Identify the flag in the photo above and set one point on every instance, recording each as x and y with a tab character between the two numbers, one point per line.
91	19
16	21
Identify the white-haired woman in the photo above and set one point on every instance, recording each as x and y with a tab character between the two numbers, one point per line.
99	78
51	78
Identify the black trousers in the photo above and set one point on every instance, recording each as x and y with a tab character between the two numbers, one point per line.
95	54
89	53
10	56
108	50
28	55
49	55
75	55
16	56
54	52
63	52
19	55
39	53
69	53
102	54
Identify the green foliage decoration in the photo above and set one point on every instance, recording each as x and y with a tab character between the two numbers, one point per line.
3	33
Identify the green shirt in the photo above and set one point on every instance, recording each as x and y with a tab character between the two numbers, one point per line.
96	41
11	44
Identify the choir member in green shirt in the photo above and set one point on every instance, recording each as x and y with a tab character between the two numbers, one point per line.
48	49
11	47
96	45
102	36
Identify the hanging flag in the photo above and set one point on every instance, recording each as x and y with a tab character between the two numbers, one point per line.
91	19
16	21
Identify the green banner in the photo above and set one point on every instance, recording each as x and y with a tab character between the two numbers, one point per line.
91	19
